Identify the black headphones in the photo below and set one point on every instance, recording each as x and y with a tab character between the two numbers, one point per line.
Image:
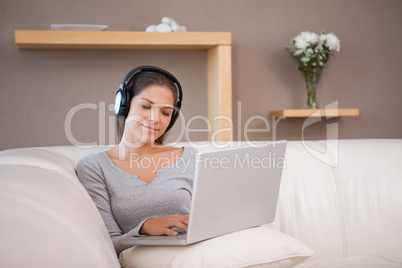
123	97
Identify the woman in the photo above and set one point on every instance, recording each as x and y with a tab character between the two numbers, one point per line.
142	187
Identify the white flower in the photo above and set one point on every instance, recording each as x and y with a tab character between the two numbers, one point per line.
300	43
298	52
331	41
309	37
305	59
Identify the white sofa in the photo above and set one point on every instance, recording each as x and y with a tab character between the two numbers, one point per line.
341	199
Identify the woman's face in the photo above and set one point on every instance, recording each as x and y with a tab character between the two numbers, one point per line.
149	115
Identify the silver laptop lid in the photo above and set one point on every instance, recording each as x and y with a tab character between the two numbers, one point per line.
235	189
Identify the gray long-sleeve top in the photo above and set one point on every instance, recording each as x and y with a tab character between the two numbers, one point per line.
125	202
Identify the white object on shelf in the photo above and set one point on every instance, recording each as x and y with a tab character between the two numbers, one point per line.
151	28
167	20
77	27
177	27
164	28
168	25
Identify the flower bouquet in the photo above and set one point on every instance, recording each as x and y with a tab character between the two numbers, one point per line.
312	51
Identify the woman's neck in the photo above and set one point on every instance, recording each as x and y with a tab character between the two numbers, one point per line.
125	149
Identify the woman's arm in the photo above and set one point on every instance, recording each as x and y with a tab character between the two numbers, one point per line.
90	175
164	225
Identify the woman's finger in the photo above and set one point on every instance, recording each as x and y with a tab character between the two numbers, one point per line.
181	225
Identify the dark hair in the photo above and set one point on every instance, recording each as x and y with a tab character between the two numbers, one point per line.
140	81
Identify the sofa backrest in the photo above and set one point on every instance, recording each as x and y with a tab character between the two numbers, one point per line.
369	186
343	198
75	153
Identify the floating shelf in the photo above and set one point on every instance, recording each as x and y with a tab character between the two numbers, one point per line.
293	113
32	39
217	44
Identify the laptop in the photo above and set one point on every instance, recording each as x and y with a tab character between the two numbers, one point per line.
234	189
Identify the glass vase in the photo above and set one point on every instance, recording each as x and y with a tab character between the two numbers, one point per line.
312	97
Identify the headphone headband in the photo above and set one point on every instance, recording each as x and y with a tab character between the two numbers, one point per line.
123	96
149	68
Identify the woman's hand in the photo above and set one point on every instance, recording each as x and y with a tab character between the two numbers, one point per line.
162	226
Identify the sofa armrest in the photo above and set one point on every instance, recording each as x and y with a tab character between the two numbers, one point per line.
48	219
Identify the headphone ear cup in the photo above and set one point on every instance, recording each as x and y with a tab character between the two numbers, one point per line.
121	103
175	115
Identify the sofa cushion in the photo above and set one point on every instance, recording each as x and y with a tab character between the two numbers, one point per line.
255	247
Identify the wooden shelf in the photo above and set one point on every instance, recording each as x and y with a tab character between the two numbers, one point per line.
294	113
32	39
217	44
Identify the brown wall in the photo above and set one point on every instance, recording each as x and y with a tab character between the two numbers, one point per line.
39	88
